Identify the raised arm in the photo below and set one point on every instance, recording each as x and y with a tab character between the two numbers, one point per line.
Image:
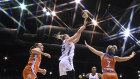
99	53
121	59
71	39
75	38
38	51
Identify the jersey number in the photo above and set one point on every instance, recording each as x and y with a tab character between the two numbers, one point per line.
108	62
63	48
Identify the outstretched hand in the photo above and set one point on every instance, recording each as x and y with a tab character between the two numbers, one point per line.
44	71
133	54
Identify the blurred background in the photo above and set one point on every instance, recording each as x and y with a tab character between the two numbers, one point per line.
110	22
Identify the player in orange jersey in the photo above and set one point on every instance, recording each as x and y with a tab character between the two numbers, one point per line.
32	67
108	60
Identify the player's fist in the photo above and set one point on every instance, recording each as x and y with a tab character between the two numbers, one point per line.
47	55
44	71
133	54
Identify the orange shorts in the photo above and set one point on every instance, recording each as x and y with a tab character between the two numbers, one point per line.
28	74
110	76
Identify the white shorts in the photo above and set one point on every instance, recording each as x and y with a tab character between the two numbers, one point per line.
66	64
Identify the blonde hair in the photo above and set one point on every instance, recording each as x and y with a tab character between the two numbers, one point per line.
112	49
62	37
115	47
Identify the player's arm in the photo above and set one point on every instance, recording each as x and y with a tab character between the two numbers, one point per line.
47	55
99	75
87	76
71	39
37	51
42	71
121	59
77	34
77	39
99	53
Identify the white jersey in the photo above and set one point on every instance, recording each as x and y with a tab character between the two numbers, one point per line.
66	59
67	50
93	77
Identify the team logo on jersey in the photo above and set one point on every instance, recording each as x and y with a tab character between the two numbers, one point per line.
108	58
108	69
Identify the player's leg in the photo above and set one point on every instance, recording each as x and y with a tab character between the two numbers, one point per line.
71	74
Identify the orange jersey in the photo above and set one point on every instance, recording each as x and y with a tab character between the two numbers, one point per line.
34	63
108	63
110	76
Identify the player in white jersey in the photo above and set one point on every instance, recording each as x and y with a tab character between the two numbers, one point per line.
93	75
66	68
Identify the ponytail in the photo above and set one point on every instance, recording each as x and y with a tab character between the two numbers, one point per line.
62	37
112	49
115	48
